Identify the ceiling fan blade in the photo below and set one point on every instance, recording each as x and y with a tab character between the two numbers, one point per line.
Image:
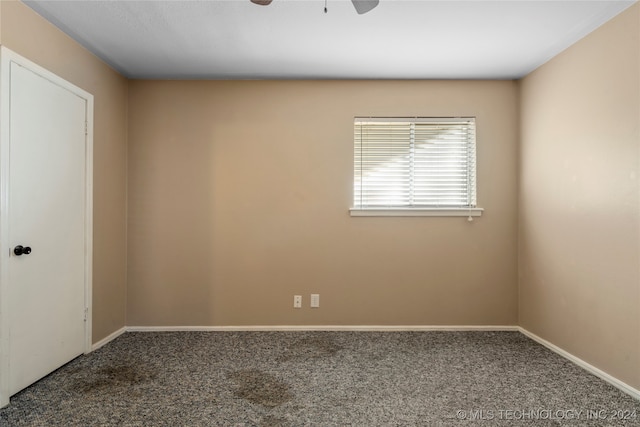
262	2
363	6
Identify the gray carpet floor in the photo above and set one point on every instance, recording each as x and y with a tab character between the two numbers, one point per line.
321	379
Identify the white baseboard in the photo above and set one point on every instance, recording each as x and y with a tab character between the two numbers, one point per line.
633	392
355	328
108	338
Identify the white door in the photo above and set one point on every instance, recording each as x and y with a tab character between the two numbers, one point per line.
46	214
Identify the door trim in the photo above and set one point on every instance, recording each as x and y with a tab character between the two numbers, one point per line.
7	57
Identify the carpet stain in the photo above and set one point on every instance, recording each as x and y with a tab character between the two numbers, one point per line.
113	376
315	347
261	388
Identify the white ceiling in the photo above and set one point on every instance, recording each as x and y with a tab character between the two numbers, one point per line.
295	39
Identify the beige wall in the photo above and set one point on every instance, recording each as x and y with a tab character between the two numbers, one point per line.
579	236
239	195
26	33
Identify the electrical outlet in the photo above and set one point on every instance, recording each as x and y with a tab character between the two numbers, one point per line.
297	301
315	300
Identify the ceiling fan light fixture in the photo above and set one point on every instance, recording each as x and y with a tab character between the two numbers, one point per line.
363	6
262	2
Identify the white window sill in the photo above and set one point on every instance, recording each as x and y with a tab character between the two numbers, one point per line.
416	212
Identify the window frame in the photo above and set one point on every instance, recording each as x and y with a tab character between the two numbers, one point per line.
418	210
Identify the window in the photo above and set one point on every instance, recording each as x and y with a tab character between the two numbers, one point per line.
415	166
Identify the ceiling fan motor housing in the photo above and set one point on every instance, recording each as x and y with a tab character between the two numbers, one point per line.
362	6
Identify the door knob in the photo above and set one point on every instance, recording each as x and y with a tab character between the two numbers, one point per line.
20	250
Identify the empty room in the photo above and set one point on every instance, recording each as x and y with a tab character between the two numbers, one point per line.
310	212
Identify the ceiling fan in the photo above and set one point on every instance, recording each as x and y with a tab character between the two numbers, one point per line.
362	6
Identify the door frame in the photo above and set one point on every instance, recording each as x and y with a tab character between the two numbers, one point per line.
7	57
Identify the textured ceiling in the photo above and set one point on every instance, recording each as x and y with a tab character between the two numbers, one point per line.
295	39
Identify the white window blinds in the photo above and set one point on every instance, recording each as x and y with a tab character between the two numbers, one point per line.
414	163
